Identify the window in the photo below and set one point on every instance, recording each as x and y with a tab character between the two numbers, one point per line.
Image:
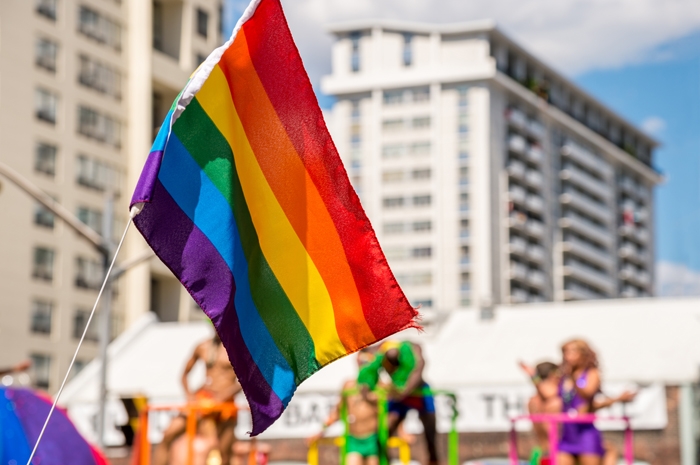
393	202
43	263
421	122
46	52
95	174
407	49
41	317
80	319
392	176
393	124
43	217
422	226
355	54
41	370
158	26
46	103
91	218
395	253
100	77
200	58
393	228
423	303
88	273
420	95
464	201
45	158
422	173
462	126
97	126
46	8
420	148
100	28
393	97
392	151
421	200
463	149
202	23
421	252
415	279
355	111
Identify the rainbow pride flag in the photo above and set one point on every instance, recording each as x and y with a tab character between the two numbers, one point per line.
247	202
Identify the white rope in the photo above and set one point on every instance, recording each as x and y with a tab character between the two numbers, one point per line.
80	343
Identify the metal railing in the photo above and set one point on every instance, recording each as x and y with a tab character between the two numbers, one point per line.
553	421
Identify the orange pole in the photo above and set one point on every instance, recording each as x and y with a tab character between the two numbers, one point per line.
145	445
191	432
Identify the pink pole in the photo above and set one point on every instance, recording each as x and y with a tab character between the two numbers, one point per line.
513	444
553	441
629	443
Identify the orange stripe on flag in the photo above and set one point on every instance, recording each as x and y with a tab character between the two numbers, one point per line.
287	176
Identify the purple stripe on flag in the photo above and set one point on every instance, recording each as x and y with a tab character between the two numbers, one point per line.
192	257
147	180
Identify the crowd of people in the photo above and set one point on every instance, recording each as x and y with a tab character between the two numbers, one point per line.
574	387
393	372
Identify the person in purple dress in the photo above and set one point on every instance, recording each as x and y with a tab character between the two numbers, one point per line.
580	443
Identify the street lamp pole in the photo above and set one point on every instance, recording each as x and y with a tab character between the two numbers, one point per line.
103	244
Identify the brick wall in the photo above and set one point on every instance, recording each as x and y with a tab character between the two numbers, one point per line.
661	447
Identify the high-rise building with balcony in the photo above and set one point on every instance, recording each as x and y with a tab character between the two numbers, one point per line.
489	177
83	84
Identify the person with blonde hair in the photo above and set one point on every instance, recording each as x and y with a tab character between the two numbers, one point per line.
580	443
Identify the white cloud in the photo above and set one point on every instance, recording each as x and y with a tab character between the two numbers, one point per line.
674	280
571	35
654	125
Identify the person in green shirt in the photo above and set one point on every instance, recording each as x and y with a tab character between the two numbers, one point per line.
404	363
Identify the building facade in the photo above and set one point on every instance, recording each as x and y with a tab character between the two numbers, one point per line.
83	86
489	177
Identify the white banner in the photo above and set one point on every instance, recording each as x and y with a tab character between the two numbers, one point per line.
481	409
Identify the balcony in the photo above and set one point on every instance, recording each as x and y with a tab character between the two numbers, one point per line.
518	271
517	221
632	253
537	279
534	203
629	292
574	291
635	233
517	194
590	276
536	253
587	159
517	246
535	228
516	170
536	129
634	276
517	144
517	118
588	252
535	154
518	296
586	228
633	189
585	181
534	179
583	204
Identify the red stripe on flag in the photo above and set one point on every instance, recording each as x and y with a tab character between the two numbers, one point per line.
282	73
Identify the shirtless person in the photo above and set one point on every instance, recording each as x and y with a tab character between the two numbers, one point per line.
362	447
404	363
221	385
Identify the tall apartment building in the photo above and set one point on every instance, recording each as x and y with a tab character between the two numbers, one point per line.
489	177
83	84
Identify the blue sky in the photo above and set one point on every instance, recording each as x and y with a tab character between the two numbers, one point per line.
663	94
644	62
